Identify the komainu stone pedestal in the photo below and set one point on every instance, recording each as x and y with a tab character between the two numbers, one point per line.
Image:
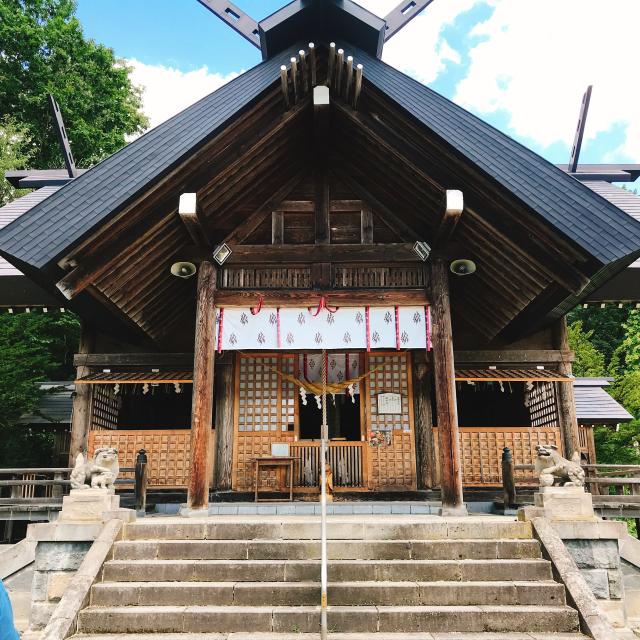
565	503
89	505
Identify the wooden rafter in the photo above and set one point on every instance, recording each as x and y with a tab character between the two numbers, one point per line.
569	276
452	210
192	218
244	230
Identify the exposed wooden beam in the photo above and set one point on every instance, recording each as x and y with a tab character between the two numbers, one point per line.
105	360
566	275
391	219
277	227
237	19
93	267
569	276
511	356
383	253
243	231
453	207
321	103
402	15
309	205
192	219
297	297
366	225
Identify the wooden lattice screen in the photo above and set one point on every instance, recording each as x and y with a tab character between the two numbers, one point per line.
481	451
541	401
105	406
266	408
392	466
167	453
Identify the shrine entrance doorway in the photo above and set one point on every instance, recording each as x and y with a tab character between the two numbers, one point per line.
372	445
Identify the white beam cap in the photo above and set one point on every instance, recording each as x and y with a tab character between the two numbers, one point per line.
188	203
454	201
320	95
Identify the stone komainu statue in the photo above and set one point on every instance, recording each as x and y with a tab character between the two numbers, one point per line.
99	473
552	468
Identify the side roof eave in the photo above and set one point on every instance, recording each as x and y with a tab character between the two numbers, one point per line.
582	216
50	229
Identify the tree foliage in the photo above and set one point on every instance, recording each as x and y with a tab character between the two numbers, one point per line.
43	50
33	347
14	154
589	361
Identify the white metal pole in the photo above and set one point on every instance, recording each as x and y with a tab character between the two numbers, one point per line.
323	502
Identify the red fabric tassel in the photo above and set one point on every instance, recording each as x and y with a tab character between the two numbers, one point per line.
256	310
305	367
220	330
322	305
367	327
397	309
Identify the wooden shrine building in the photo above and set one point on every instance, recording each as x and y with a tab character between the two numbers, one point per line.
323	201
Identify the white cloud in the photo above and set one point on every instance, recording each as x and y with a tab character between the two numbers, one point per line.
167	91
539	58
420	49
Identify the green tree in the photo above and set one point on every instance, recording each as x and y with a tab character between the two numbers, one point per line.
589	361
14	154
606	325
33	347
43	50
631	342
618	445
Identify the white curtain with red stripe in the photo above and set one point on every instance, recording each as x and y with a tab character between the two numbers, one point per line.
346	328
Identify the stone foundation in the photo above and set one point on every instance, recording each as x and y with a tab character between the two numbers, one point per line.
63	545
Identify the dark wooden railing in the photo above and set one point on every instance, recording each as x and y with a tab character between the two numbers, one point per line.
46	485
615	488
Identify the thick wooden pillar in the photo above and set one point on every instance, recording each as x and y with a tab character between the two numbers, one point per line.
202	402
445	386
566	401
81	412
225	389
423	421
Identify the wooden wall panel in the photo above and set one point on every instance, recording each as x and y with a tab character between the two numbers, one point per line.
393	466
481	450
265	413
167	452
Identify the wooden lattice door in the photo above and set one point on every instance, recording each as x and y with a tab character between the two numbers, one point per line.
392	466
265	413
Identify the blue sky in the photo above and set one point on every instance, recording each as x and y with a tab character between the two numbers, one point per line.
502	59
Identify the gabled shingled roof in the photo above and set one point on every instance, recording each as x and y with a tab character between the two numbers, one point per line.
45	232
575	210
50	229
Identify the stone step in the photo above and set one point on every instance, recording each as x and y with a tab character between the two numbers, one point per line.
338	549
365	619
109	594
335	636
302	529
339	570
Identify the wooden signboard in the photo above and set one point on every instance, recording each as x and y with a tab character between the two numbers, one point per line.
389	403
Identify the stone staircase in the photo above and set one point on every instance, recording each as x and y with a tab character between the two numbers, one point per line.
388	578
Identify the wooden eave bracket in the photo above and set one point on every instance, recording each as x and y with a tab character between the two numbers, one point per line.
402	15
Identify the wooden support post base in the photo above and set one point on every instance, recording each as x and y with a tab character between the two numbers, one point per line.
453	511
